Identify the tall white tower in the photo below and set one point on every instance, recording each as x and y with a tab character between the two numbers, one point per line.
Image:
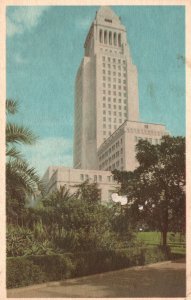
106	87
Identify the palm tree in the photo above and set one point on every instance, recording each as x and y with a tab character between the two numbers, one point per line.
21	179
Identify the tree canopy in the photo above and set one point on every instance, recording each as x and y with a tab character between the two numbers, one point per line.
156	189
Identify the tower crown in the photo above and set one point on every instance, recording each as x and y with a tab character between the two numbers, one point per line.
107	17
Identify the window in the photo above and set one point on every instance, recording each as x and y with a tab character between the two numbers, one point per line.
100	36
115	38
103	104
108	178
105	37
82	177
104	112
100	178
110	38
86	177
95	178
119	39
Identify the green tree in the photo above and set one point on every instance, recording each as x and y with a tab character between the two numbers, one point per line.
77	222
156	189
22	180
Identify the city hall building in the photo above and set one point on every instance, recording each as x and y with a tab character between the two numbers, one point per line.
107	125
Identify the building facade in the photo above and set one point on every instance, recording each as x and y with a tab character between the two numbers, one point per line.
107	126
106	87
118	151
57	176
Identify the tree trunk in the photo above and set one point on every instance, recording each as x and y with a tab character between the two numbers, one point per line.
164	238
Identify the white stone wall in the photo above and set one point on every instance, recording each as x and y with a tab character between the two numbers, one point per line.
118	151
69	177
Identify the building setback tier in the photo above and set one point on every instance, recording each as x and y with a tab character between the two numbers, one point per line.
119	150
57	176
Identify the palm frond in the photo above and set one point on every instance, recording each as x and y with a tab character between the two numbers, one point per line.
19	134
13	153
11	106
22	178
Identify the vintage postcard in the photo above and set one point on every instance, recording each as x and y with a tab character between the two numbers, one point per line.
95	116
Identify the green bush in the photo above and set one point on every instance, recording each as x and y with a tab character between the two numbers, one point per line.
26	270
22	272
21	242
155	254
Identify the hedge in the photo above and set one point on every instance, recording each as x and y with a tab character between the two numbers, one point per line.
28	270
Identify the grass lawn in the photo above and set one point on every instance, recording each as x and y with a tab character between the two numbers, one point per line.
175	241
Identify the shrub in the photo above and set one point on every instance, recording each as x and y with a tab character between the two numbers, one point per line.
28	270
22	271
155	254
21	241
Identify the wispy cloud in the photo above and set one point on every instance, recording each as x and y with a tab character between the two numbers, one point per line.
83	23
23	18
19	59
49	151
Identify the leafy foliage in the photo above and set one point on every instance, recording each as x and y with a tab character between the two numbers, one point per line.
22	180
21	241
156	189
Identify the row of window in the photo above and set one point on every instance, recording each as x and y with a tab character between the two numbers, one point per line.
114	100
109	50
108	37
114	114
150	140
113	67
116	165
114	93
115	106
96	178
114	86
114	79
112	59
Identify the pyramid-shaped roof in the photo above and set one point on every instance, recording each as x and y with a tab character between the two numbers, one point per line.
105	12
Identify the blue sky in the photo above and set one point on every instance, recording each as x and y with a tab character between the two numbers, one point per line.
44	50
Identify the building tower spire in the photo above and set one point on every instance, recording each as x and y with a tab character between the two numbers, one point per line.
106	88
